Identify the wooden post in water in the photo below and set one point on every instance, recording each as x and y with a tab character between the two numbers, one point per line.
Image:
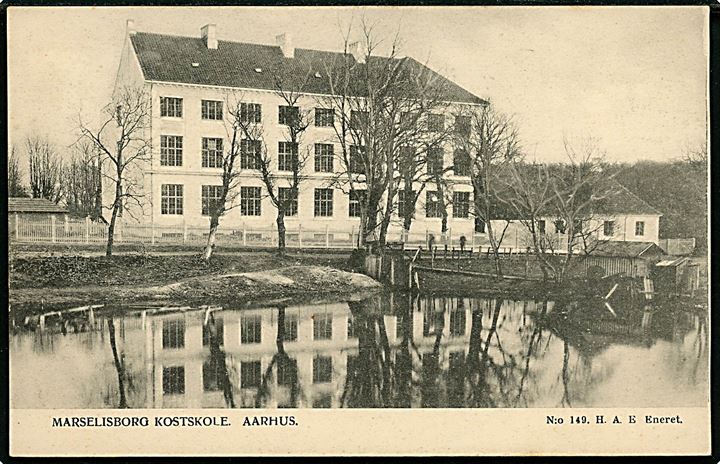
392	270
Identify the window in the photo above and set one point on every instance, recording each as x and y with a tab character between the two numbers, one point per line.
408	162
405	202
171	199
212	153
171	148
457	323
462	125
250	113
173	380
291	327
173	333
436	122
322	401
323	202
324	154
250	154
250	374
286	371
432	205
322	369
609	228
250	329
171	107
250	201
322	326
212	109
541	226
359	120
357	159
356	197
560	226
219	329
408	120
324	117
461	204
461	163
435	161
351	328
211	374
211	199
479	225
289	115
287	156
289	199
639	228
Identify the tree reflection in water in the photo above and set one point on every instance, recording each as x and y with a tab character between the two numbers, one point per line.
284	363
119	364
217	360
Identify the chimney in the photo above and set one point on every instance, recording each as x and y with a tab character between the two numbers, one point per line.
209	33
357	51
284	41
130	27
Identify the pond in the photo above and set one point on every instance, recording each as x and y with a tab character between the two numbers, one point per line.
389	351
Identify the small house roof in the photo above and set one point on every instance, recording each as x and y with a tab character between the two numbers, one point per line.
34	205
169	58
627	249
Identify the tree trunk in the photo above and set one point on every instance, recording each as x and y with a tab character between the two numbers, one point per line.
281	231
495	246
210	246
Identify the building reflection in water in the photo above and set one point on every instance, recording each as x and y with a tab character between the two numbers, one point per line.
391	351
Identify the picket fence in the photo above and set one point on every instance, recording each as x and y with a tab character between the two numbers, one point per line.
78	231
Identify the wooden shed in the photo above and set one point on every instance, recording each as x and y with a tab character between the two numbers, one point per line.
32	210
676	276
632	259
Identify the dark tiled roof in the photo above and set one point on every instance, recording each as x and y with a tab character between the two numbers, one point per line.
169	59
627	249
625	202
34	205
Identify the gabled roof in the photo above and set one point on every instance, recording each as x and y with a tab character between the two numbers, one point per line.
34	205
627	249
626	202
169	58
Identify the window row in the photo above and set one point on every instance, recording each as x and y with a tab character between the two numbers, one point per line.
172	199
171	154
251	113
214	374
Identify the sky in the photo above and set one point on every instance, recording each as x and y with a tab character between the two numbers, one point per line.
632	78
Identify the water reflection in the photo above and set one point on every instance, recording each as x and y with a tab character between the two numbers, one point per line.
393	351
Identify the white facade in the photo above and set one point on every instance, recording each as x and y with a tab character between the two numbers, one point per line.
192	176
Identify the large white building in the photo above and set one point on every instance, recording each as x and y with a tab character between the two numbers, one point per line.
189	79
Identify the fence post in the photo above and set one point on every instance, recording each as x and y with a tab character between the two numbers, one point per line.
244	236
152	233
300	234
52	228
87	229
184	232
327	236
17	226
120	231
450	237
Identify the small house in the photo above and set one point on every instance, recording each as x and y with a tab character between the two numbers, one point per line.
676	276
33	210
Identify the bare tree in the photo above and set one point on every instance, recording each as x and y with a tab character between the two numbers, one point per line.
16	187
121	140
82	181
581	186
492	143
529	194
45	167
238	122
283	184
379	101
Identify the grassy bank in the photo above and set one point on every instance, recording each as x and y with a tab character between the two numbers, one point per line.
42	283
